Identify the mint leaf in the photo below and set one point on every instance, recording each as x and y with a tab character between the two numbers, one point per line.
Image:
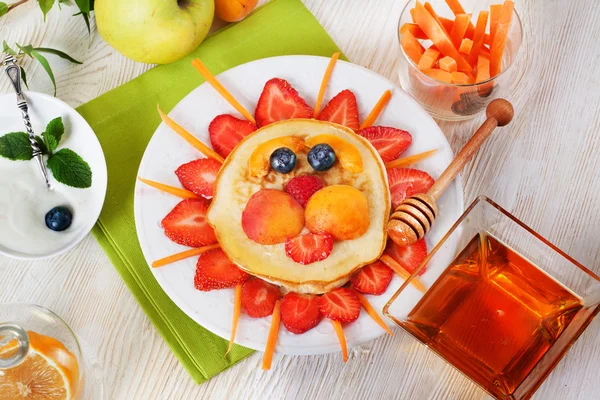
54	131
46	5
24	77
3	8
69	168
15	146
41	145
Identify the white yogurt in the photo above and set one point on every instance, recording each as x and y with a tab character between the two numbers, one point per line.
24	202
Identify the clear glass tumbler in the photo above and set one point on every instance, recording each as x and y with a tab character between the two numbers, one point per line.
41	358
456	102
503	305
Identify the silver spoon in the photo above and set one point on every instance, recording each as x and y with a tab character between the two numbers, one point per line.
14	74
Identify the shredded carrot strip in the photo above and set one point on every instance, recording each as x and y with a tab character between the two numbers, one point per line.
222	91
404	274
272	340
183	255
339	331
328	72
191	139
381	103
500	37
237	307
478	37
414	29
406	161
372	313
175	191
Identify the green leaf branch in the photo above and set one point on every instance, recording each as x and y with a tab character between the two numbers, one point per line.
66	165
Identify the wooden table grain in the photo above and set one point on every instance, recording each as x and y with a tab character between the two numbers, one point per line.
544	168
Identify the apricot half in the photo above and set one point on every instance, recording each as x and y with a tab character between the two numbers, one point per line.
340	210
258	164
348	155
271	216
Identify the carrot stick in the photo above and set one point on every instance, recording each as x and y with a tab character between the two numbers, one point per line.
339	331
406	161
381	103
429	58
429	8
222	91
404	274
328	71
494	17
175	191
460	78
272	340
456	9
487	39
500	37
438	74
478	37
372	313
183	255
439	37
191	139
483	69
447	23
465	46
413	29
413	49
412	14
237	307
459	28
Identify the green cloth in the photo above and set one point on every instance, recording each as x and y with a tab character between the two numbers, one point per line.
124	120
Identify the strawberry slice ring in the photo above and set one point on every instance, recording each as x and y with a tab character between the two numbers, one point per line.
299	244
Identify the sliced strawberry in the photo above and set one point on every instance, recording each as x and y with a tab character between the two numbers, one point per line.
259	297
405	182
308	248
410	257
304	186
341	304
215	271
279	101
373	278
389	142
226	131
342	109
186	224
199	176
300	312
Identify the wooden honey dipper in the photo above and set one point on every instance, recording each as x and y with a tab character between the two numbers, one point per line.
413	218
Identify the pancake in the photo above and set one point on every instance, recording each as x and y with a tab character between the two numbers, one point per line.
234	187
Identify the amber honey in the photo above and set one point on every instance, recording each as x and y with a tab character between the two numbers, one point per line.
493	315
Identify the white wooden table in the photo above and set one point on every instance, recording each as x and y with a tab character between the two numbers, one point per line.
544	168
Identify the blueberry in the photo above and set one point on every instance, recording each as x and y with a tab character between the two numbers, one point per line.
59	218
283	160
321	157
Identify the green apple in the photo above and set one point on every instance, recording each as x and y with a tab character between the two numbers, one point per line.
154	31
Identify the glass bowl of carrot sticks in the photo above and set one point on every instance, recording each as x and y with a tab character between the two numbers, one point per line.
457	56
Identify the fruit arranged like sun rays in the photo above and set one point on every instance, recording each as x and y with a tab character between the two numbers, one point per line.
291	208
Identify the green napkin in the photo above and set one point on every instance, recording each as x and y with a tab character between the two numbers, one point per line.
125	119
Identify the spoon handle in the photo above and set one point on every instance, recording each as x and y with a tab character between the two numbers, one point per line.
14	74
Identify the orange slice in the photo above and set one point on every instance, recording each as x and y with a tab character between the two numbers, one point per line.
258	164
49	371
348	155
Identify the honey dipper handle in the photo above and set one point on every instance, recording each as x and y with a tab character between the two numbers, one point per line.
499	113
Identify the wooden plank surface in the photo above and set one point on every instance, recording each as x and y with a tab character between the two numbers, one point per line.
544	168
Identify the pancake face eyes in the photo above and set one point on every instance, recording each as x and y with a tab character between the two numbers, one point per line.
283	160
344	151
321	157
260	159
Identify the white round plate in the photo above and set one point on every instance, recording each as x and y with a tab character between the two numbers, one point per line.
86	203
166	151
